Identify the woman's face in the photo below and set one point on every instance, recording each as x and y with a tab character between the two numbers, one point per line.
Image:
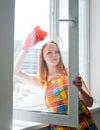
51	54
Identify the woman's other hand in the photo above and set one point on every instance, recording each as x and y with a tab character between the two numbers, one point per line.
77	82
84	93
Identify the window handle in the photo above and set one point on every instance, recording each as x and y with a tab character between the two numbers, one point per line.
67	20
71	20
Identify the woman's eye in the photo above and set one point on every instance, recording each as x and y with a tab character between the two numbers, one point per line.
56	52
49	52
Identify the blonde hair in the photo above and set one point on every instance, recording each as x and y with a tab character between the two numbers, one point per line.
43	69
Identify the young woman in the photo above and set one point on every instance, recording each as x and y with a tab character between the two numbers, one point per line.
52	77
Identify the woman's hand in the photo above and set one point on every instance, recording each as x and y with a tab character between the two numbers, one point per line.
84	93
34	37
78	82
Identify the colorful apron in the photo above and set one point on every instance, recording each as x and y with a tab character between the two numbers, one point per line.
56	99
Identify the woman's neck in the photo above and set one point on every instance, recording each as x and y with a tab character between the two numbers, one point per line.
52	71
53	75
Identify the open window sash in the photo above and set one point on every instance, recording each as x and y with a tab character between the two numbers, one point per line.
72	118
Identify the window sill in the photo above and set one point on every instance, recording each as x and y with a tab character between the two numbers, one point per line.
25	125
95	107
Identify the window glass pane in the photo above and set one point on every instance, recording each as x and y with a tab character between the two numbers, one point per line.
84	40
28	14
27	97
32	97
63	29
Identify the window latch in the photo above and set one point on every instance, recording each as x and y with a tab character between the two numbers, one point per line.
71	20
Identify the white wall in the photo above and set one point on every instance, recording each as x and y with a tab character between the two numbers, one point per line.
95	54
6	69
95	49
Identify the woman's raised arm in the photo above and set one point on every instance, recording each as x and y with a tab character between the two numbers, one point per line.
32	39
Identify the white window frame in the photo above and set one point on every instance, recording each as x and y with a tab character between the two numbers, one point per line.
6	64
72	118
6	69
